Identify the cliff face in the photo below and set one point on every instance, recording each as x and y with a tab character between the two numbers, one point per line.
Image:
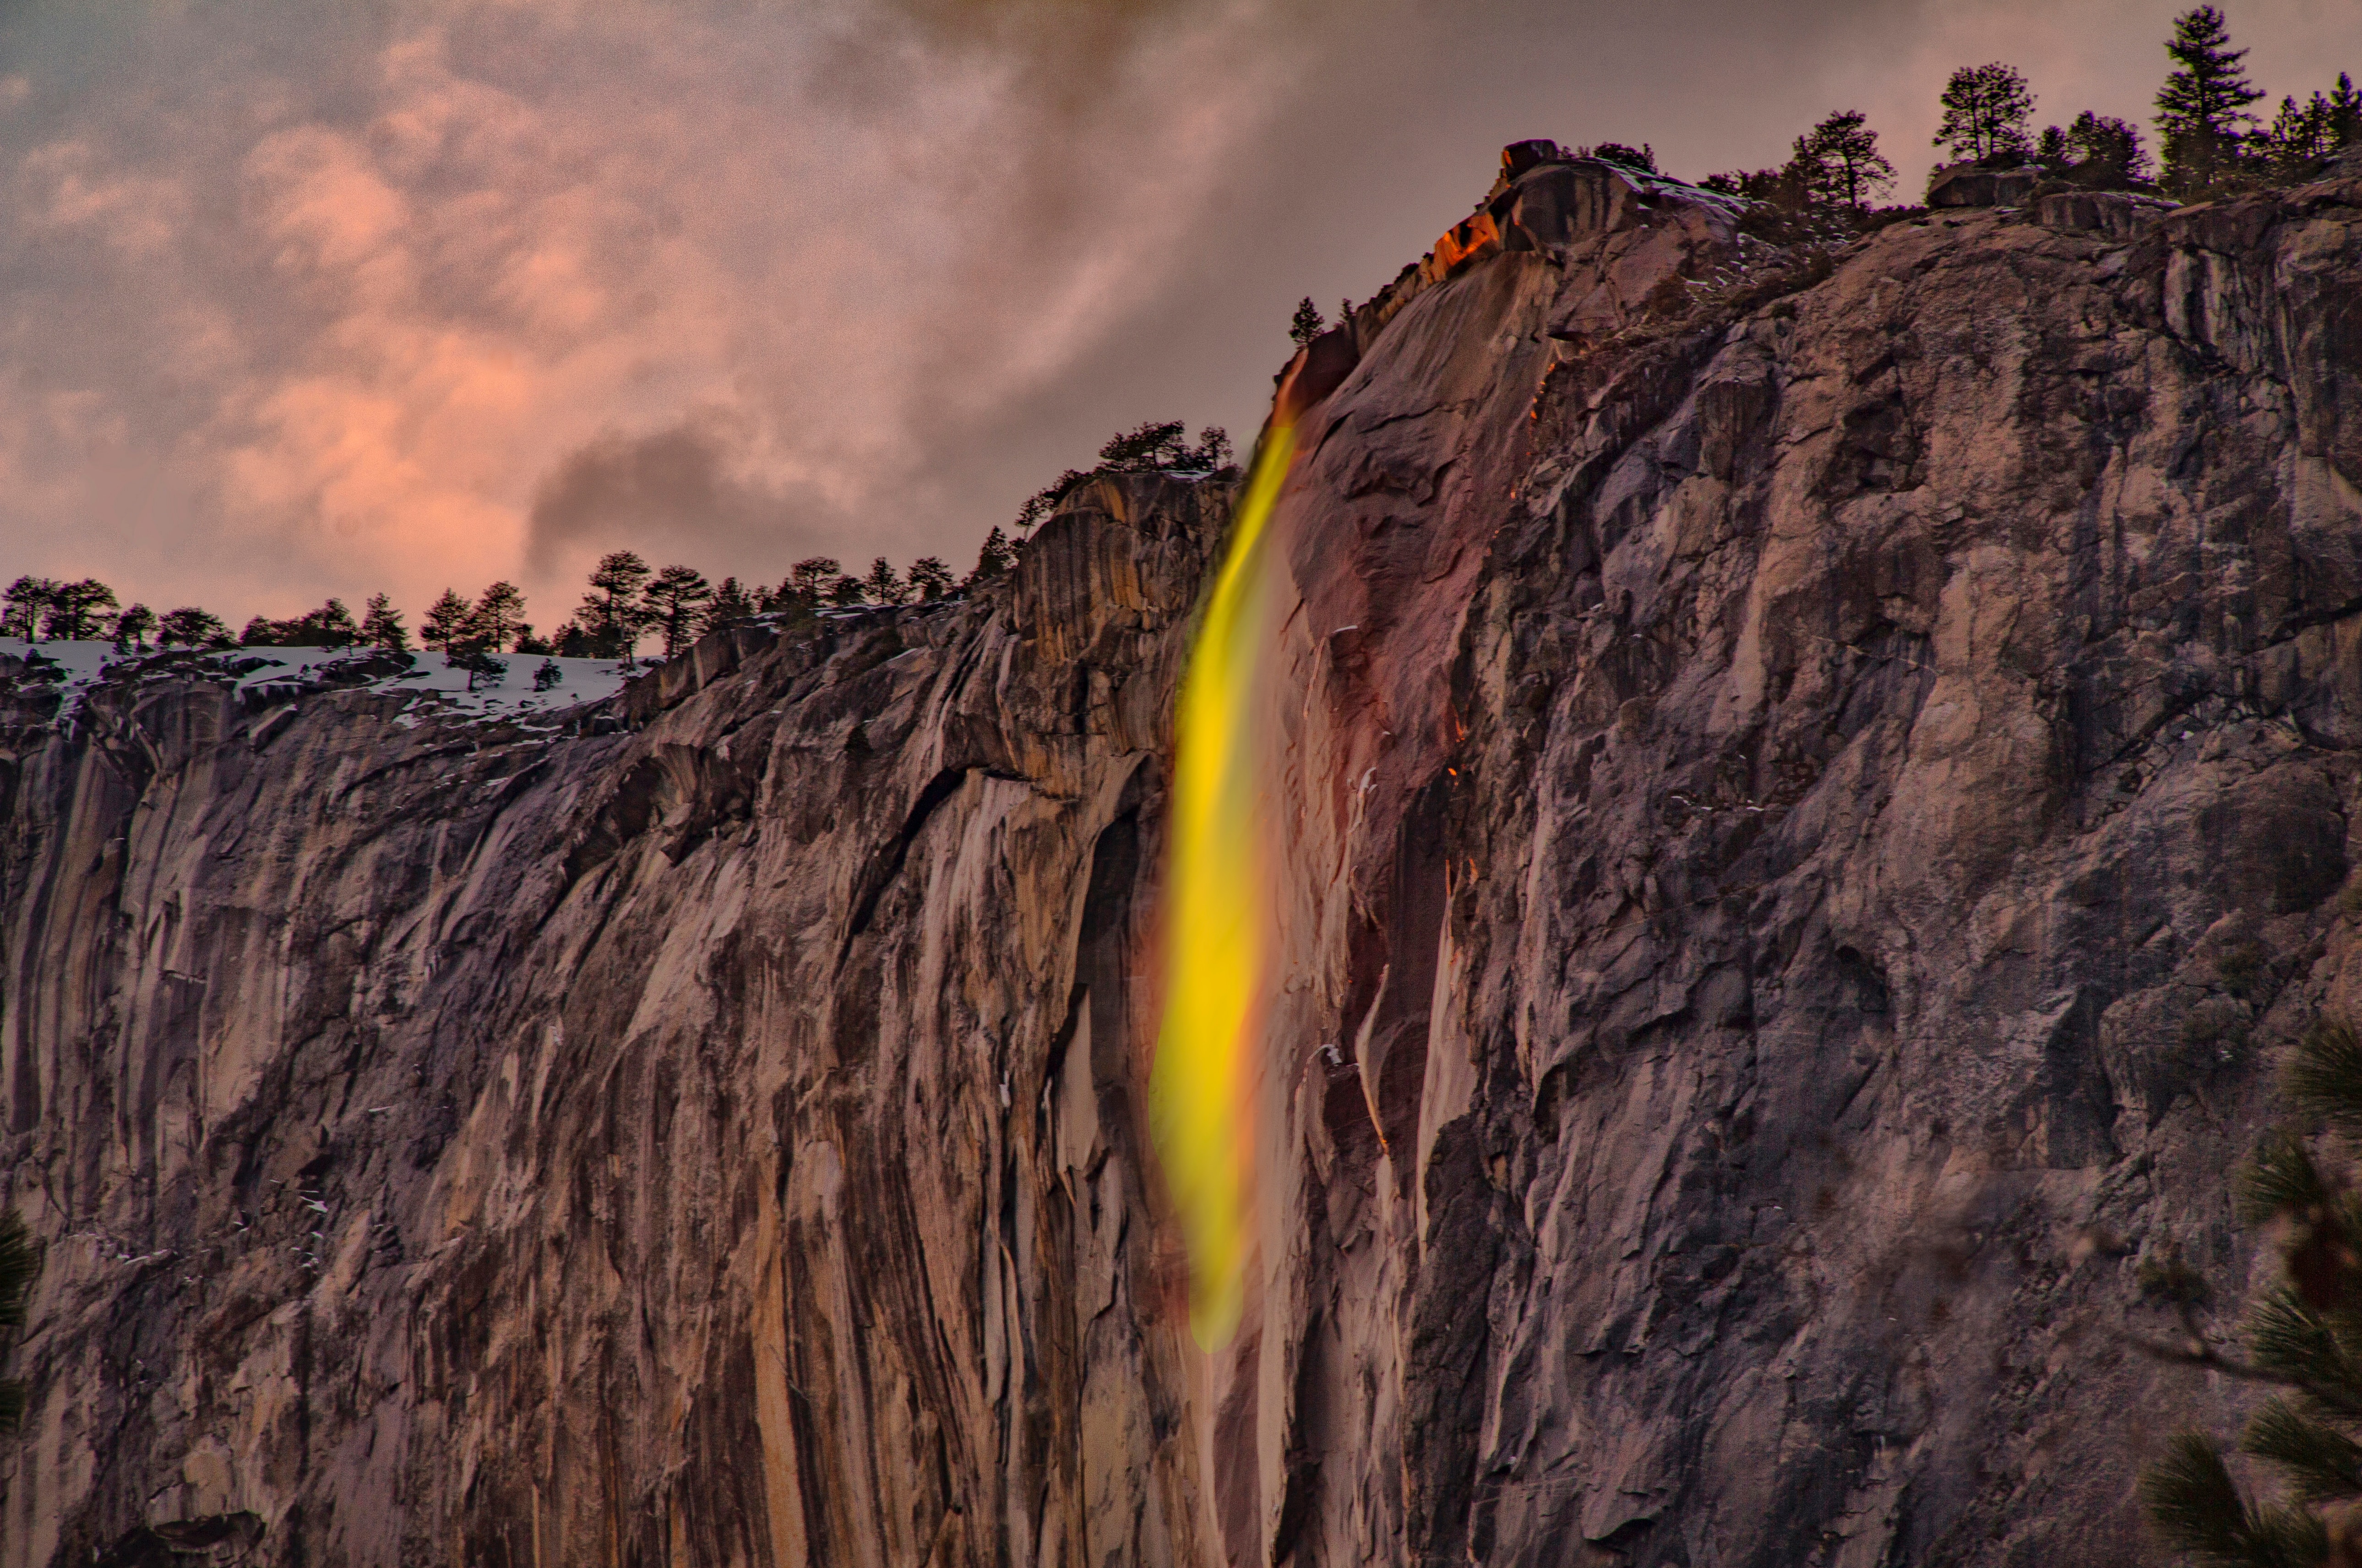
1815	782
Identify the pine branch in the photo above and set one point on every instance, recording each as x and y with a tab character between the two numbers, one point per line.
2281	1179
2198	1510
2291	1370
2199	1352
2322	1465
2325	1080
2303	1349
2194	1502
20	1264
2287	1537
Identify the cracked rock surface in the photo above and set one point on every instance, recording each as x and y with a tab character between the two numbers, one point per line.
1817	785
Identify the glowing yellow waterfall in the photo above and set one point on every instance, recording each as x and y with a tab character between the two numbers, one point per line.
1218	909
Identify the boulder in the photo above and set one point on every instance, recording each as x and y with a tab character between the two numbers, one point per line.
1970	185
2120	215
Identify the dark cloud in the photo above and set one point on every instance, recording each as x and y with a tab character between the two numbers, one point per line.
668	494
1070	30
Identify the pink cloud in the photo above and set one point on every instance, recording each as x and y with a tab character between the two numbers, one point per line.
329	308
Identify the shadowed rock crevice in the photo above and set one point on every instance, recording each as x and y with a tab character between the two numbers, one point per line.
887	865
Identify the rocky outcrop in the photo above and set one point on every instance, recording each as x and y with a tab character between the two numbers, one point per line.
1817	779
2120	215
1976	185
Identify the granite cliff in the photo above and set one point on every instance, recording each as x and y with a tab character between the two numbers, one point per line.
1819	775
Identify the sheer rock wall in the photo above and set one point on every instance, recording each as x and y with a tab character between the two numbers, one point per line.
1814	785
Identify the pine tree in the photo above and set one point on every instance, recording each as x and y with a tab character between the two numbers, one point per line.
190	627
548	673
22	607
2297	134
1307	325
1985	110
931	577
2303	1335
2202	110
1212	452
447	623
1153	447
329	626
993	560
483	669
2302	133
131	628
1837	162
1046	499
1788	188
810	583
20	1268
612	615
1642	158
1156	443
884	585
381	626
731	603
816	577
676	600
2113	144
2345	113
498	618
74	609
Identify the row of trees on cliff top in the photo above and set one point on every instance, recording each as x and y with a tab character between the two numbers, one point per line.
626	603
2213	144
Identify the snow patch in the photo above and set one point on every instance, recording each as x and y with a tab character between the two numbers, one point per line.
82	665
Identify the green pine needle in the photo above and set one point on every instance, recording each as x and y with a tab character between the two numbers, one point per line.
2282	1178
2321	1463
2290	1341
2325	1080
2198	1510
2194	1502
20	1264
2287	1537
2305	1333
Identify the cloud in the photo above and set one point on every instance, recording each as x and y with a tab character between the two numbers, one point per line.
295	302
424	274
668	494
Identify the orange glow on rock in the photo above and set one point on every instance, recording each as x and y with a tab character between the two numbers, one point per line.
1471	239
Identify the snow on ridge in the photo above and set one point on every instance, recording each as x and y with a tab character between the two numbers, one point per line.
86	664
1657	184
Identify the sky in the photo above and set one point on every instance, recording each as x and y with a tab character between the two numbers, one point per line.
393	296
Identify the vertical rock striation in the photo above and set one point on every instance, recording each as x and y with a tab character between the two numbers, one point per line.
1816	779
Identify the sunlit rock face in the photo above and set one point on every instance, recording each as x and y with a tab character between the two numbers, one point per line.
1814	785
